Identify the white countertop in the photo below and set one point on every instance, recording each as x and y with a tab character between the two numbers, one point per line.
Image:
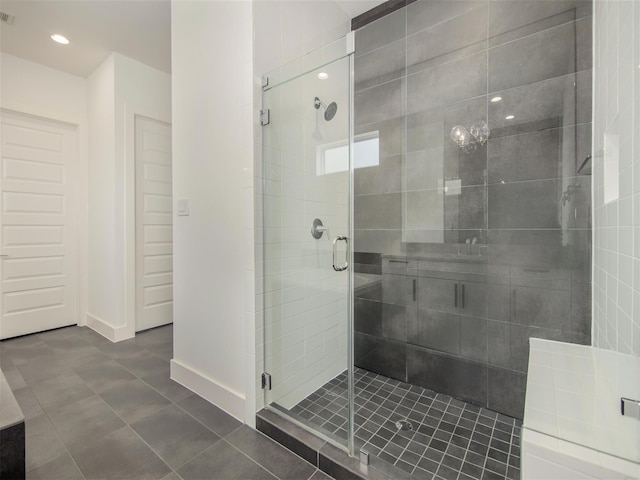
573	395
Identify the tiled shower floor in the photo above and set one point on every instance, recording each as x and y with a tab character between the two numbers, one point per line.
450	439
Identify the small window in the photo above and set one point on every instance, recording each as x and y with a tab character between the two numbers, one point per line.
334	157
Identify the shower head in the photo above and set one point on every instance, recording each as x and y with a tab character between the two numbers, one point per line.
329	110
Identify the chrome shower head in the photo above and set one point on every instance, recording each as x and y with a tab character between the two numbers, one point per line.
329	110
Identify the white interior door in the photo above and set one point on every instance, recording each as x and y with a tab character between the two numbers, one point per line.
38	225
154	225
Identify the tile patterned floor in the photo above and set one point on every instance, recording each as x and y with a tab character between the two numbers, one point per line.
99	410
450	439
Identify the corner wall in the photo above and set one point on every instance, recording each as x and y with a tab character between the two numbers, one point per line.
211	49
616	270
118	89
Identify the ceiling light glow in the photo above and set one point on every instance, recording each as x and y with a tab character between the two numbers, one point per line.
509	117
60	39
323	75
496	99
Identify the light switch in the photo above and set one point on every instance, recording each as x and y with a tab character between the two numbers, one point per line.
183	207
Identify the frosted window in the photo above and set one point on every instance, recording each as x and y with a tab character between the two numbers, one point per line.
332	158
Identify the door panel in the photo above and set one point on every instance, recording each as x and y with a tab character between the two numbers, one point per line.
38	233
154	225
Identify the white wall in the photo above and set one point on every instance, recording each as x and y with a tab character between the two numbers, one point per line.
616	271
34	89
213	246
119	89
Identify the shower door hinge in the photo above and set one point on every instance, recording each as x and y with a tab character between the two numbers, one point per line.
265	117
266	381
265	81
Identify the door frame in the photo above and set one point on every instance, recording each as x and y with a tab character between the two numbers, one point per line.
80	190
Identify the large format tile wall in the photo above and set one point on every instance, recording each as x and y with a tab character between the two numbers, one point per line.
616	273
418	72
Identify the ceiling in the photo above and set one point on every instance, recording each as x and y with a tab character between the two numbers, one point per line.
138	29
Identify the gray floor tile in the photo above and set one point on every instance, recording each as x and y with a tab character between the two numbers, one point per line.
59	391
167	387
163	350
223	461
145	363
319	475
43	368
42	442
120	455
104	376
175	435
13	376
134	400
271	455
92	336
61	468
120	350
27	402
172	476
213	417
82	422
28	353
155	336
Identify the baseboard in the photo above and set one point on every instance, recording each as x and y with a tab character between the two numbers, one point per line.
115	334
220	395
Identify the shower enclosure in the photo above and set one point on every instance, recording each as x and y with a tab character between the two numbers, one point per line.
307	127
461	179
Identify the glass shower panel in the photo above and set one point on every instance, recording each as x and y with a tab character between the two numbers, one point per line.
306	170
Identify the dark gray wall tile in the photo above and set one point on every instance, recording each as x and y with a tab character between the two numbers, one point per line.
528	156
380	66
382	356
512	19
439	331
448	83
381	32
541	307
531	204
581	313
391	135
473	338
383	178
450	375
379	103
394	321
506	391
454	38
425	14
499	343
378	211
367	316
548	54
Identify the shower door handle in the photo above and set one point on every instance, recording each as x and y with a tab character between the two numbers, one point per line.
336	267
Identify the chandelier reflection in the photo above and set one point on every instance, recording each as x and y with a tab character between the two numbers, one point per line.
468	140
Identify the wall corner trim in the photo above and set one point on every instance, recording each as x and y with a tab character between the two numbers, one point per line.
115	334
214	392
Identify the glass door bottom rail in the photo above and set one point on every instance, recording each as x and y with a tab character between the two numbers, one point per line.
426	434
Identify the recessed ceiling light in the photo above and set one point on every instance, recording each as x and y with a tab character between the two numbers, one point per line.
496	99
60	39
323	75
509	117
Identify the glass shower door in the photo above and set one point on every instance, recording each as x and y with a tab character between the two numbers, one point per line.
306	223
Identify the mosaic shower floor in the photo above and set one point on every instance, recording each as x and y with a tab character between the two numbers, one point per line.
446	439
